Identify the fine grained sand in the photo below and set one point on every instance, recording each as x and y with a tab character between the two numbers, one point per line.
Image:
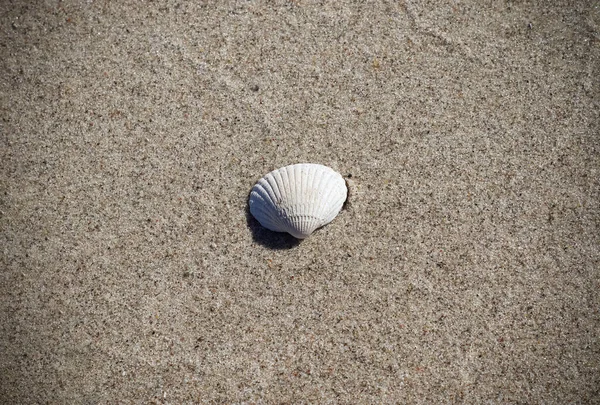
465	267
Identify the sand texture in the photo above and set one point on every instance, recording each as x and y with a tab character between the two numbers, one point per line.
465	268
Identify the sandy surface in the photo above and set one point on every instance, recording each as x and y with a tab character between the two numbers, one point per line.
464	269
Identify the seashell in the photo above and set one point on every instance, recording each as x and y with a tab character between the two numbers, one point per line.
298	198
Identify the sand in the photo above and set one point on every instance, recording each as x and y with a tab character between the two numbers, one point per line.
464	268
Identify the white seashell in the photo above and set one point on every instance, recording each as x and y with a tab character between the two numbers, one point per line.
298	199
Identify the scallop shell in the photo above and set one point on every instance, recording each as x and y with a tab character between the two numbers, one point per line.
298	199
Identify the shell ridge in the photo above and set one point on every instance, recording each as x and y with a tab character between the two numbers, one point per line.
296	191
296	195
316	187
296	203
263	209
333	212
259	192
288	185
283	207
304	188
304	173
328	191
266	189
269	211
292	203
310	187
338	199
275	185
273	222
310	176
307	207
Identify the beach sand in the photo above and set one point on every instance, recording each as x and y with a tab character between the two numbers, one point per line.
465	267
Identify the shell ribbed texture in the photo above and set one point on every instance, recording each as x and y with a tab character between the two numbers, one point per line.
298	199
